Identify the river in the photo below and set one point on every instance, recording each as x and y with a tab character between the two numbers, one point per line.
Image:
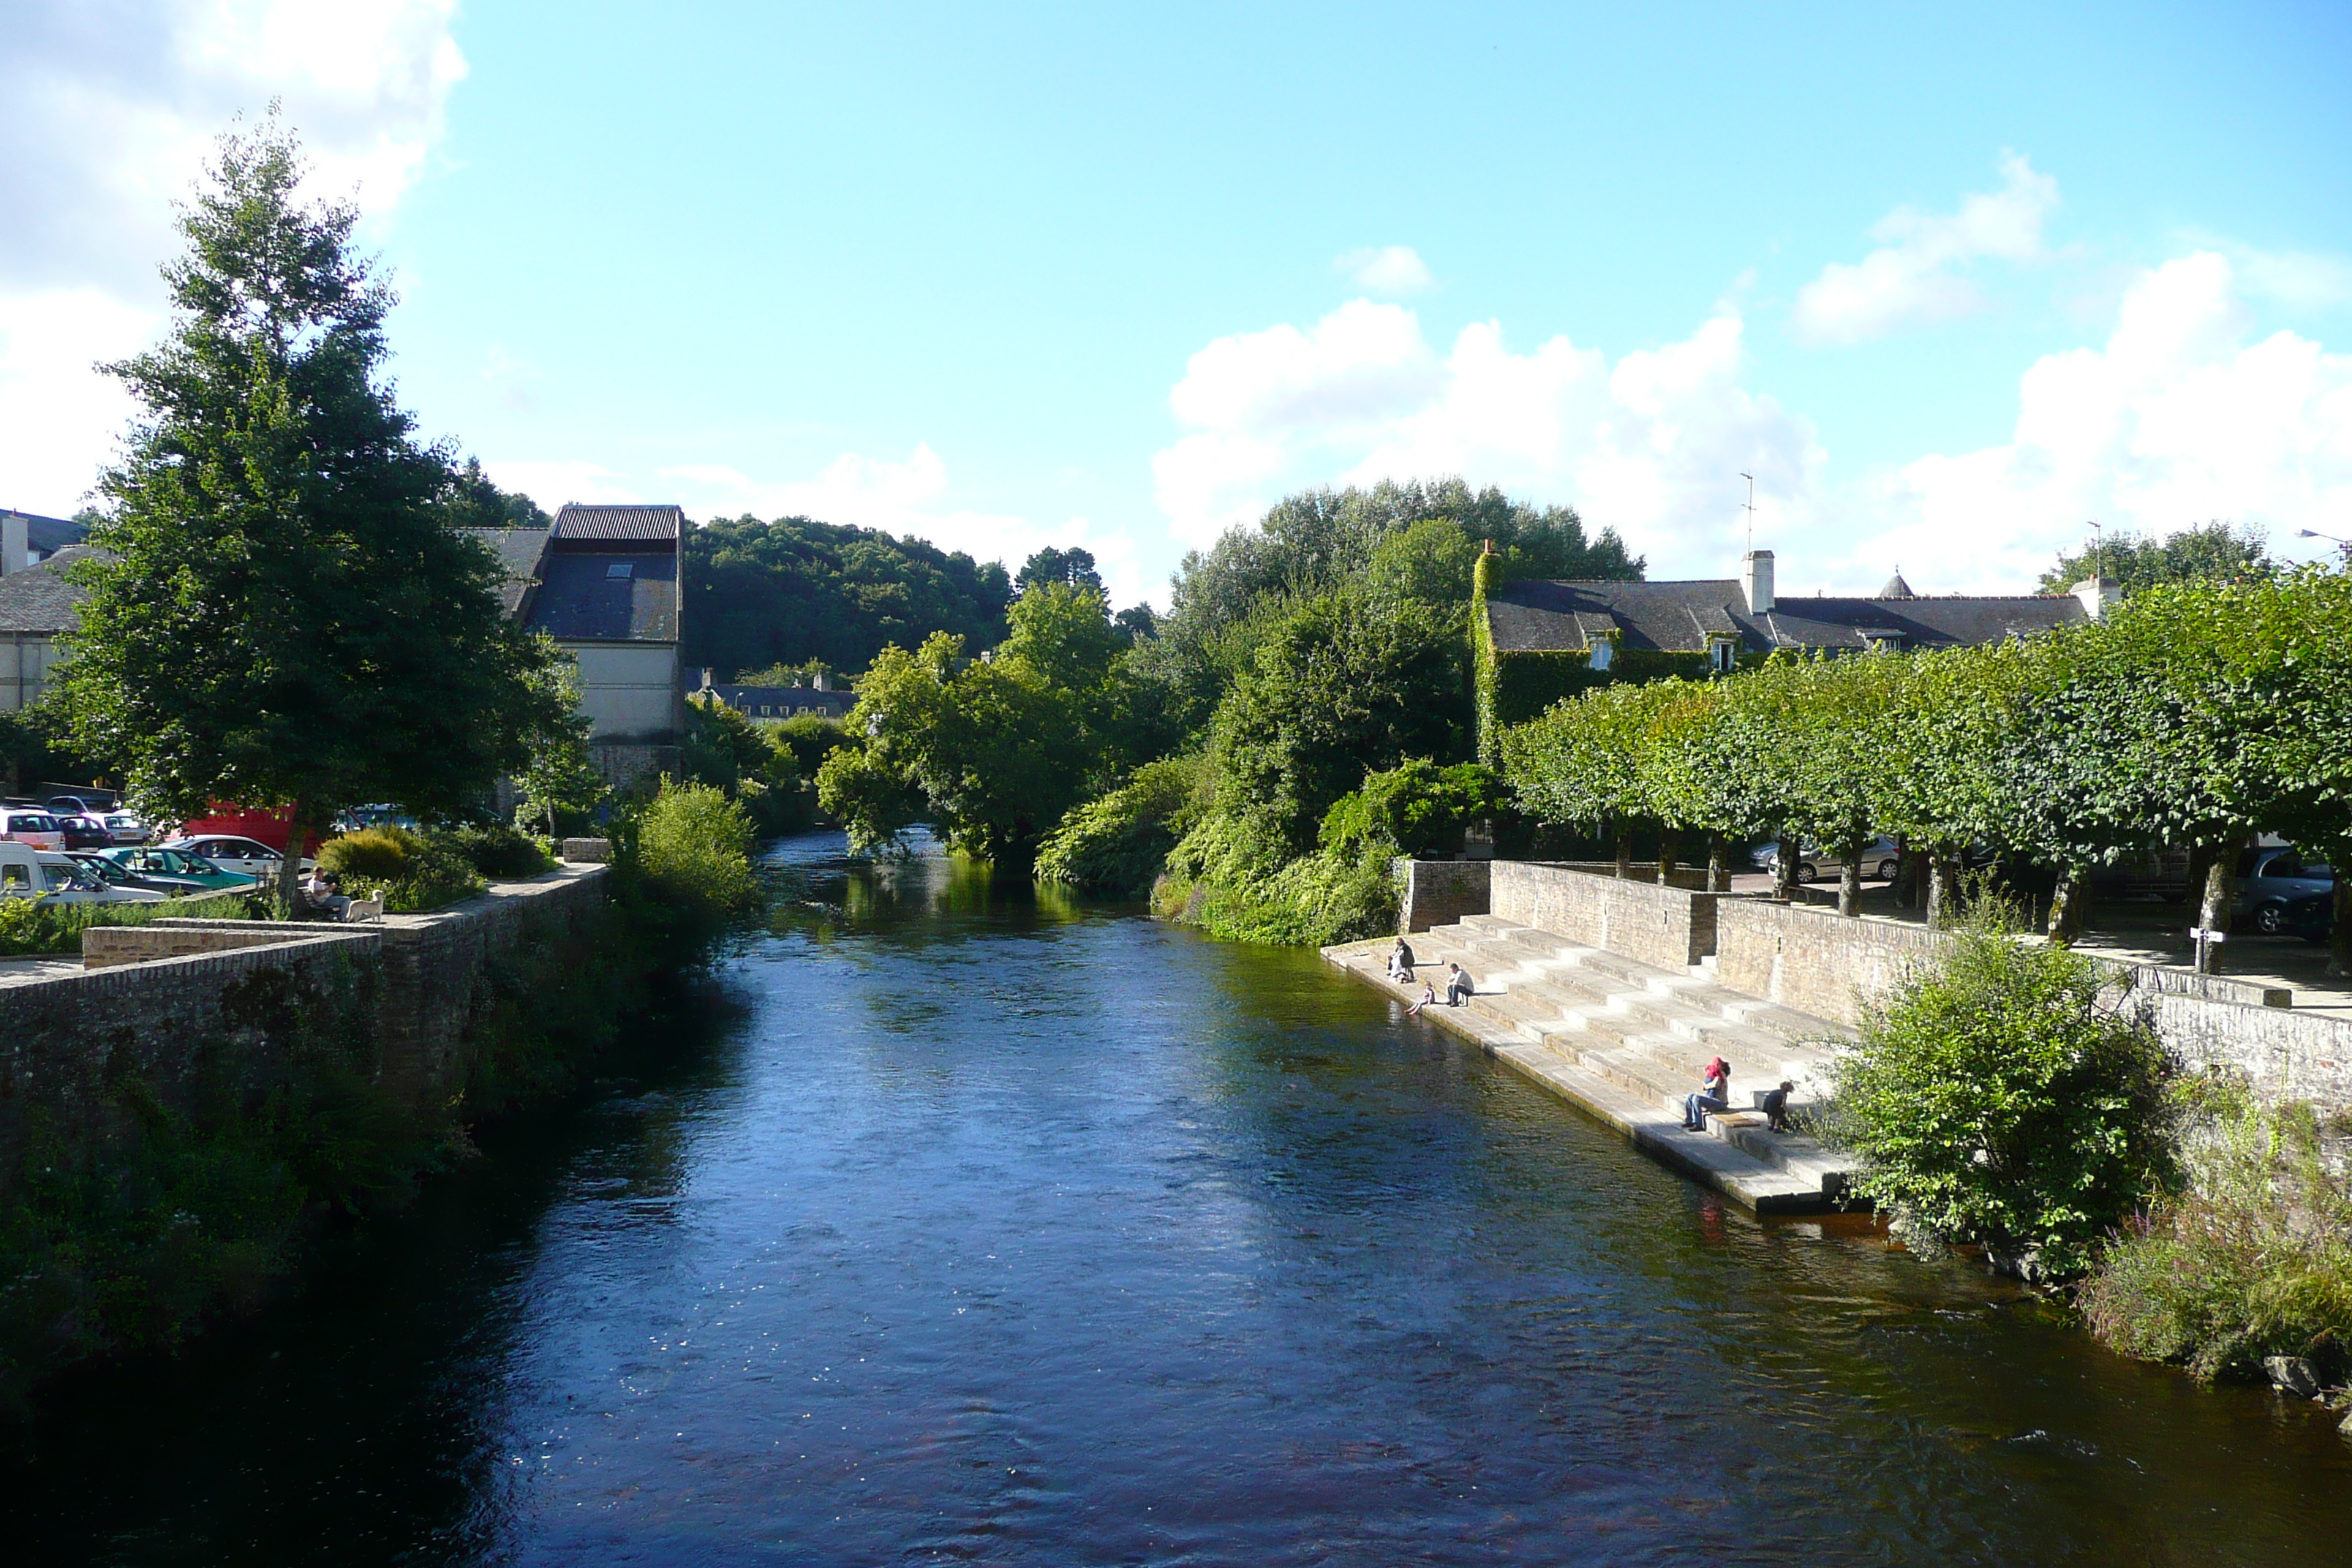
974	1225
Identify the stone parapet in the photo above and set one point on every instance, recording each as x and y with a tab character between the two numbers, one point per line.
1668	928
1440	892
585	851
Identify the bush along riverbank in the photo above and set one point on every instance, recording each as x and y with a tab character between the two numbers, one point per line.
2005	1098
134	1212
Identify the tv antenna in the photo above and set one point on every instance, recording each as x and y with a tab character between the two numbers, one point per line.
1750	509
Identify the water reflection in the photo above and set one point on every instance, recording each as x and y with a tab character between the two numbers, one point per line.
1007	1227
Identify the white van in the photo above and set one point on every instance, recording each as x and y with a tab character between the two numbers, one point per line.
29	873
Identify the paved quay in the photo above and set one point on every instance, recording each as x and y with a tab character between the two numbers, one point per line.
1625	1042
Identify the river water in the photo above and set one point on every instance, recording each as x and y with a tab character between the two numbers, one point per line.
979	1225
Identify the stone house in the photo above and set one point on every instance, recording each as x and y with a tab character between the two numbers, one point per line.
1542	640
774	704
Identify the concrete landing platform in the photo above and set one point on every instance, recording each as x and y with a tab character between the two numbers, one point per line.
1625	1042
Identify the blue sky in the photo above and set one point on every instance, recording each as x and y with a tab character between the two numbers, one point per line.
1949	282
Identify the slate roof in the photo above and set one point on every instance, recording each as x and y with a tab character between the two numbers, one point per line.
783	702
51	534
627	522
580	600
1675	617
39	600
520	551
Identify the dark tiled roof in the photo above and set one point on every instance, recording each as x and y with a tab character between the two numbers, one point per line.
51	534
580	600
39	599
575	522
520	551
1676	617
783	701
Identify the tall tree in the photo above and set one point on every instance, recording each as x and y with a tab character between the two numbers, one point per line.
2214	552
1074	567
279	616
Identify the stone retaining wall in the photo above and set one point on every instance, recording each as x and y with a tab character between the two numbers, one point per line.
1672	928
1826	965
1440	892
154	998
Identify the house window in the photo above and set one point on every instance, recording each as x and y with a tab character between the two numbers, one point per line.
620	569
764	710
1719	654
1603	652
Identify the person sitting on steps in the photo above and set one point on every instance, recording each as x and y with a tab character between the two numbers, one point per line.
1401	962
1428	999
1459	986
1715	1096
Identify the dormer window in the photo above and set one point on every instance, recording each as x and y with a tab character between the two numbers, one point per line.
1720	653
1604	652
620	569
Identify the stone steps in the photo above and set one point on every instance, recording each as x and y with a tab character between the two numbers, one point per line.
1628	1042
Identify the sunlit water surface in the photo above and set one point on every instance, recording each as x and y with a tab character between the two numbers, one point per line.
994	1227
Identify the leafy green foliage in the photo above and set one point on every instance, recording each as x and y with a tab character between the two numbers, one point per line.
1416	809
810	738
559	779
2215	551
280	616
2250	1256
692	850
1992	1098
765	594
38	927
410	871
500	852
1118	842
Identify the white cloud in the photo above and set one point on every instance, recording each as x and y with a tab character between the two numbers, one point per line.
2178	419
113	107
1651	446
1917	275
551	484
1389	270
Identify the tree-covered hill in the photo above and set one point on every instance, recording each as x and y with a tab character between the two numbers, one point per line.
763	594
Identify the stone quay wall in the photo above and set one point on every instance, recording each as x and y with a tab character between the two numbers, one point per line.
1440	892
151	999
1830	966
1672	928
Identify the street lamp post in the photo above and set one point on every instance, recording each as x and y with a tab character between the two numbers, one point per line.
2342	546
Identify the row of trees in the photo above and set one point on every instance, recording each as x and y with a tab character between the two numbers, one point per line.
2195	715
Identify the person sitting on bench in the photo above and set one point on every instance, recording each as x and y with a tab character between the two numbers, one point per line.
1459	986
1715	1096
1776	1107
318	893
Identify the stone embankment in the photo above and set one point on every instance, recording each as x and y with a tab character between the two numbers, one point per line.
150	1001
1612	994
1627	1041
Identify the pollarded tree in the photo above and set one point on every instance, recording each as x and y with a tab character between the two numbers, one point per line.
1580	762
279	616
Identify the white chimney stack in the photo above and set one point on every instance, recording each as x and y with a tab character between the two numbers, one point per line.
15	542
1756	580
2099	594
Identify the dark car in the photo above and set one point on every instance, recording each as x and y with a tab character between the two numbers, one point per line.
2311	917
83	831
2270	879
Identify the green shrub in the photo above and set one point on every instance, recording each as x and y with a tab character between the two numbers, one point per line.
37	927
1231	876
2251	1257
1416	809
410	871
684	864
384	854
808	738
1118	843
1993	1098
502	850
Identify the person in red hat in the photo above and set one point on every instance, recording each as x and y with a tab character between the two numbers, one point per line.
1715	1096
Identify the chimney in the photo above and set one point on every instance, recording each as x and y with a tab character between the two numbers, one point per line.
706	677
2099	595
15	542
823	681
1756	581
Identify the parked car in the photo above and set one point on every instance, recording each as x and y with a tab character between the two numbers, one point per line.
231	852
2271	879
125	827
52	878
1879	858
33	826
2311	917
81	832
82	805
115	876
157	865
